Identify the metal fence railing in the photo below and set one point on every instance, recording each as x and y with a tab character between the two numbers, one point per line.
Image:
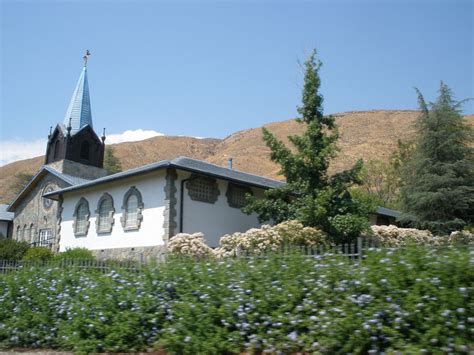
353	250
43	242
103	266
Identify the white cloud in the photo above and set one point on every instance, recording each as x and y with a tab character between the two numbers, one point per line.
132	136
12	150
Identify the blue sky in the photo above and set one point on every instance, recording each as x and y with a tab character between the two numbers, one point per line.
208	69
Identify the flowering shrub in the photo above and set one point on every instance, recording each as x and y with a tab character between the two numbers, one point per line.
294	233
415	300
268	238
461	237
189	244
392	236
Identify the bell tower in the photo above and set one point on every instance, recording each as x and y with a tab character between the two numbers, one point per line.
74	142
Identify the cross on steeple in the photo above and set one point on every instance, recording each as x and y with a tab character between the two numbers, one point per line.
86	57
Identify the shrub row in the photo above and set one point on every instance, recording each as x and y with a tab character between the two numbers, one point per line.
409	301
392	236
271	238
14	250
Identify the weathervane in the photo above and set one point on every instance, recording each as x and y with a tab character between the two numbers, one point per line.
86	56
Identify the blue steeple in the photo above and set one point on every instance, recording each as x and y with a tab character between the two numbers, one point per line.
79	110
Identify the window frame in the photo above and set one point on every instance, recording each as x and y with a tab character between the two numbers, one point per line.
45	238
84	233
232	190
26	233
32	233
132	191
109	219
196	195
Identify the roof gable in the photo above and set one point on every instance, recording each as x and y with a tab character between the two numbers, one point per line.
68	179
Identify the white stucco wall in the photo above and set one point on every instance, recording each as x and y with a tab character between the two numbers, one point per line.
214	220
151	187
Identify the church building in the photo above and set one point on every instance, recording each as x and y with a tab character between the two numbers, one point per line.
71	202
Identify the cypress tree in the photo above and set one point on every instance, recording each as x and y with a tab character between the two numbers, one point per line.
438	180
111	163
311	195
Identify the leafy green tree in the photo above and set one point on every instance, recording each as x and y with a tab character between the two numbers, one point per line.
111	163
311	195
438	180
21	180
378	181
381	180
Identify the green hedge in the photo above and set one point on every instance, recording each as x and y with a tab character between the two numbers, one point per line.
75	253
12	250
38	254
410	301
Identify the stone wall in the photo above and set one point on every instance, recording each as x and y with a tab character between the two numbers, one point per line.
137	253
169	224
78	169
31	211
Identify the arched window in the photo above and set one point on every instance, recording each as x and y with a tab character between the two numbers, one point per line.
81	218
32	233
132	209
85	150
26	233
18	233
105	214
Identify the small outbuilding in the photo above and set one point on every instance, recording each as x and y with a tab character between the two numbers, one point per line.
6	222
384	216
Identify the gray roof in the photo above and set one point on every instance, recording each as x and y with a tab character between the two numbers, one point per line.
78	113
5	215
181	163
186	164
388	212
68	179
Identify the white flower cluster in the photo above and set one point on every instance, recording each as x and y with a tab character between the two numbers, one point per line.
255	241
268	238
189	244
393	236
461	237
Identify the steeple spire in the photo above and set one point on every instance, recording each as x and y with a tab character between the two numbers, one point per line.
78	113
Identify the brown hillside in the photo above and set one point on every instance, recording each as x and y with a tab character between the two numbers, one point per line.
367	135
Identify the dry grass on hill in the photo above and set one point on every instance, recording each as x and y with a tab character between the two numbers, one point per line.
367	135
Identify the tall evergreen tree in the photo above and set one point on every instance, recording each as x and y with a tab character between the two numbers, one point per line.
311	195
438	180
111	163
